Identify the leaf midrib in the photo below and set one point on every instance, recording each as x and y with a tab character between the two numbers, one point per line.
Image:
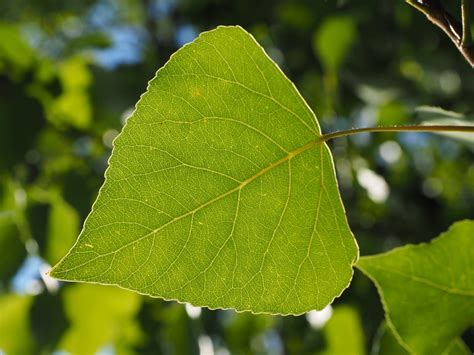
240	186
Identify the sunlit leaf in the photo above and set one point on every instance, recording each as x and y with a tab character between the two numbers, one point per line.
63	226
345	320
387	344
99	316
15	54
72	107
427	290
219	191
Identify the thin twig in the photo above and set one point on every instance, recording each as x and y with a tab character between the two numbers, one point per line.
438	15
408	128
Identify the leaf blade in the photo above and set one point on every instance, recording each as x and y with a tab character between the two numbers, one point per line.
411	280
234	184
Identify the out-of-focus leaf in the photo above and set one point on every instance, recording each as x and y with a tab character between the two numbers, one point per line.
297	15
431	115
47	321
467	137
63	227
434	112
176	326
12	250
100	316
219	191
72	107
11	246
428	287
392	113
242	330
387	344
333	41
88	41
343	333
54	222
16	56
15	336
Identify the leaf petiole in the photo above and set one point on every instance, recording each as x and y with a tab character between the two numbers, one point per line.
408	128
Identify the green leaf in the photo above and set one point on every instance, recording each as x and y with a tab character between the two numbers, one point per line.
392	113
345	320
427	290
432	115
10	234
219	191
15	335
16	57
333	41
435	112
466	137
244	331
73	106
100	316
387	344
175	326
10	241
63	225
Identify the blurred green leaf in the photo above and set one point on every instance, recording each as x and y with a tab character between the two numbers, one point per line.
296	15
48	321
221	142
430	115
344	333
435	112
428	287
467	137
15	337
16	56
72	107
392	113
11	245
63	227
13	250
87	41
177	327
333	41
100	316
243	329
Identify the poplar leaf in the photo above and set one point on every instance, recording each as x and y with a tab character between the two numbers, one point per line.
427	290
220	191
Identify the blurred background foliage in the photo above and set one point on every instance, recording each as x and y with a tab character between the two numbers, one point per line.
70	74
